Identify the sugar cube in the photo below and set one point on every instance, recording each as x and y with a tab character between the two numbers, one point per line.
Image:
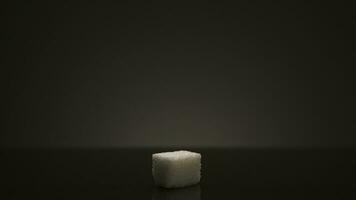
176	169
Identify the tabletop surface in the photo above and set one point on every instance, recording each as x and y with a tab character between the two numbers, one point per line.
226	174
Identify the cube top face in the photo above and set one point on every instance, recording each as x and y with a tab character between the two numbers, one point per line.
176	169
176	155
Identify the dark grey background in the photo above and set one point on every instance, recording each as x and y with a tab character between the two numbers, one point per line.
137	74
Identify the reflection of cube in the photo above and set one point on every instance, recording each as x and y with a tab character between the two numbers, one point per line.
187	193
176	169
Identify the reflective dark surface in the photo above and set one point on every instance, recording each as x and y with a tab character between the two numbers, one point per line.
226	173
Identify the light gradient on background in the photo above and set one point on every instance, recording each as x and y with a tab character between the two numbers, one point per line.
248	74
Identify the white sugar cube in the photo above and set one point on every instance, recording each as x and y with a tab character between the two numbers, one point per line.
176	169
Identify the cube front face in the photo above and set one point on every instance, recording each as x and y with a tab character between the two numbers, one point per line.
176	169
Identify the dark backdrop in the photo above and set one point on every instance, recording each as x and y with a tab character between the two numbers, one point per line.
136	74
